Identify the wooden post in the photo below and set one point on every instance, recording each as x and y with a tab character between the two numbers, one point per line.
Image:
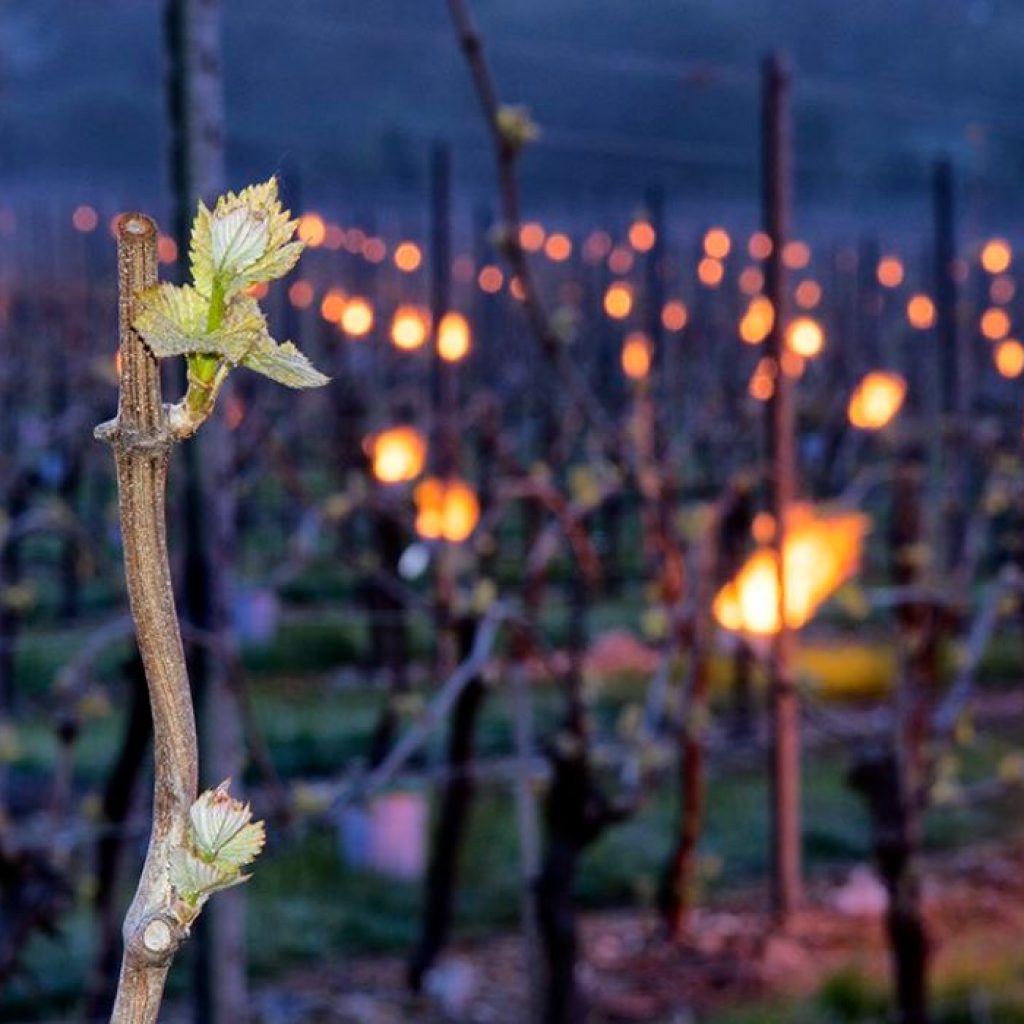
654	274
954	373
195	100
445	381
950	440
787	868
444	388
195	107
458	792
869	304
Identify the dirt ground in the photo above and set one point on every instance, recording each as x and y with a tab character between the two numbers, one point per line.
629	973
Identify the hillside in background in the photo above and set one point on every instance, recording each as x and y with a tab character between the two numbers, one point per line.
627	91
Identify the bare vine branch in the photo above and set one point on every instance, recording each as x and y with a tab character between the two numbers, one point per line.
507	148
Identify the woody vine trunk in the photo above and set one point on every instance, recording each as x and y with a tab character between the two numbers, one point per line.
142	442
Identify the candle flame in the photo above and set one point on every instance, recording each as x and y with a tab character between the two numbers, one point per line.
820	554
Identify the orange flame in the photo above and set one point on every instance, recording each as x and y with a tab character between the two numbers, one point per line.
820	555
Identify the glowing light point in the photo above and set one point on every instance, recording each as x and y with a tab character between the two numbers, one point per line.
398	455
636	356
674	315
876	400
558	247
921	312
642	236
757	321
717	243
804	337
454	338
332	306
409	328
996	255
312	230
407	257
618	301
357	318
710	272
446	509
1009	358
995	323
820	554
890	272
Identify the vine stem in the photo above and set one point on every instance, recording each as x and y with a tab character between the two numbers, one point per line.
142	439
506	155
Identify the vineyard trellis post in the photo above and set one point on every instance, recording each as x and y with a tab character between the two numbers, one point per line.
953	369
444	384
456	635
954	372
195	105
654	273
785	710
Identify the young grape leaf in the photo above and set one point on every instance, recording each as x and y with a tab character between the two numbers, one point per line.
243	847
193	879
216	817
244	240
284	364
172	322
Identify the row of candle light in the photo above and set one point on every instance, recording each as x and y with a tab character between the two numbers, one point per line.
449	509
995	255
820	552
409	329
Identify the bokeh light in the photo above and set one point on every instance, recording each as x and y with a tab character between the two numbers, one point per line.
636	355
1009	358
454	338
805	337
409	327
358	318
921	312
618	300
407	257
996	255
674	315
890	272
398	455
312	230
876	400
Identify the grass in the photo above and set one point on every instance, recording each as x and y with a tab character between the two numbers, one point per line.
365	912
321	908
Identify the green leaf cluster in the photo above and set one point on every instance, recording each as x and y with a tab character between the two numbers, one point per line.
244	241
221	839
